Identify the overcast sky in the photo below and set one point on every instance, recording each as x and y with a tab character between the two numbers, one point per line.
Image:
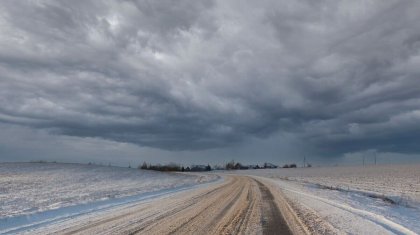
209	81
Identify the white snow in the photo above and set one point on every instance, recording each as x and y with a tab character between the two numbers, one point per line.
350	200
27	188
355	199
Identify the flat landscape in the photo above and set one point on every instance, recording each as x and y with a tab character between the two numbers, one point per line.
36	199
200	116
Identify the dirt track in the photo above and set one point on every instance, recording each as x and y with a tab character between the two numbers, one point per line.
240	205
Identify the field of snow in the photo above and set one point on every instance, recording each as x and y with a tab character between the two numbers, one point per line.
383	199
401	183
28	188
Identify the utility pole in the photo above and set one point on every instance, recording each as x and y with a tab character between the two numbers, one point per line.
304	161
363	160
375	158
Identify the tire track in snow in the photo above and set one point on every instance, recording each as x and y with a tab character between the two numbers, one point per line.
235	206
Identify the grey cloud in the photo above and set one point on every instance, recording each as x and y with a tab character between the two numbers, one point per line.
340	76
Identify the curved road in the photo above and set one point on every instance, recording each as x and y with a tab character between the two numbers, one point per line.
239	205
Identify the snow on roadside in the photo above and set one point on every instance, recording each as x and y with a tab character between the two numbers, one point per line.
353	213
27	188
355	199
400	183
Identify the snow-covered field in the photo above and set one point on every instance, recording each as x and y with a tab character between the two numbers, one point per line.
383	199
28	188
398	182
358	200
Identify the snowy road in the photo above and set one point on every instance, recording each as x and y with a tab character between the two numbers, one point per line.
238	205
234	204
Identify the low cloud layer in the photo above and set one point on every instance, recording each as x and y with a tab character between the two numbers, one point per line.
340	76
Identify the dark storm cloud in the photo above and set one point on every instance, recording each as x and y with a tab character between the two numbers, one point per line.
342	76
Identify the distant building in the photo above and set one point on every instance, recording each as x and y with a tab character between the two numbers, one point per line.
269	165
253	166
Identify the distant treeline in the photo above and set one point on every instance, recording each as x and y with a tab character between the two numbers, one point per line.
232	165
174	167
238	166
42	161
